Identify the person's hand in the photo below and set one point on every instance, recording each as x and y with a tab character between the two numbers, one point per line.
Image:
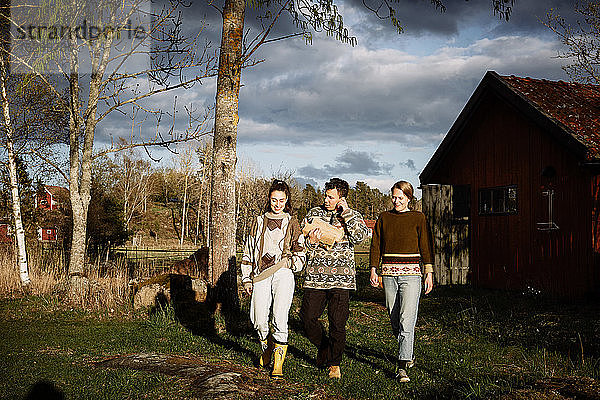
428	282
315	235
374	277
343	205
248	288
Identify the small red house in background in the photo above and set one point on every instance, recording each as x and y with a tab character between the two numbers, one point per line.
53	198
513	190
50	199
370	223
5	233
47	234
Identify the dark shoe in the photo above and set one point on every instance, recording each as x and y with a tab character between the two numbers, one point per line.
322	358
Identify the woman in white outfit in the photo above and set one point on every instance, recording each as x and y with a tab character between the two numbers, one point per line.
273	251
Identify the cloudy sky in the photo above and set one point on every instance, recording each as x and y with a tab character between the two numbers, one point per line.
377	111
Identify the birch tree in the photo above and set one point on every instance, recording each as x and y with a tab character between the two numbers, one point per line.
13	95
14	188
10	148
109	37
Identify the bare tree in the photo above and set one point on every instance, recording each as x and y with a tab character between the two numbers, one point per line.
117	81
187	166
205	153
132	176
582	41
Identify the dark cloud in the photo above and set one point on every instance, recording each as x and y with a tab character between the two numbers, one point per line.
302	182
410	164
349	162
421	18
329	92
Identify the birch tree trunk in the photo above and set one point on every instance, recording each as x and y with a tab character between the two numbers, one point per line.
8	127
222	224
183	211
12	172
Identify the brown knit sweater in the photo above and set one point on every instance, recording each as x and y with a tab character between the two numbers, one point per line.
401	244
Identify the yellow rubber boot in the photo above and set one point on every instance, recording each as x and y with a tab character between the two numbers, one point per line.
280	351
267	351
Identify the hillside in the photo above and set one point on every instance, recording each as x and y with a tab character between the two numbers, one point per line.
160	226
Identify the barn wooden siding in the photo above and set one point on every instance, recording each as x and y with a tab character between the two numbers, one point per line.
450	237
500	146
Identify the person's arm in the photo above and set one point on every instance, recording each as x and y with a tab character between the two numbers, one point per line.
357	230
311	241
297	246
427	254
248	257
375	252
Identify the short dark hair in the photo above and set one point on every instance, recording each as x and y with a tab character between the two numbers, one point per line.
406	188
280	186
339	184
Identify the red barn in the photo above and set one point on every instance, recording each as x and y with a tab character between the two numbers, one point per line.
514	188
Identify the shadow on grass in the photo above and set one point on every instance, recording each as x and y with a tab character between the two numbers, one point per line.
208	318
511	318
44	390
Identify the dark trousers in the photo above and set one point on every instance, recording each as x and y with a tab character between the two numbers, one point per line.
314	302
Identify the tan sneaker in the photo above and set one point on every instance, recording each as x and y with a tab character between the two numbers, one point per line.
334	372
402	376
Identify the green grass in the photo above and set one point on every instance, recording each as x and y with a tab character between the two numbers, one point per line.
470	344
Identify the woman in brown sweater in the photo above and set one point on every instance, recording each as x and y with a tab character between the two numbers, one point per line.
401	250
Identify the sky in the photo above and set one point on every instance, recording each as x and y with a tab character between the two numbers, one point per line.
374	112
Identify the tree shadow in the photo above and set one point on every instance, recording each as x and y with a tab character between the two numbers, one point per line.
219	311
44	390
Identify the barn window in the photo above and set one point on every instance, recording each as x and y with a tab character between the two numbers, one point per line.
498	200
461	201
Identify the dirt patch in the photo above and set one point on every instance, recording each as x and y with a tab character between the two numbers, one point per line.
572	388
214	380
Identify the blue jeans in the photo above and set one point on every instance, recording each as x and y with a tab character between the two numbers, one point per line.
402	301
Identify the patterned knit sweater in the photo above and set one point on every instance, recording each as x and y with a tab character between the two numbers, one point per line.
401	243
334	267
270	230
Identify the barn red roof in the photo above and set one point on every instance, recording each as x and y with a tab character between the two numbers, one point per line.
57	190
569	112
574	105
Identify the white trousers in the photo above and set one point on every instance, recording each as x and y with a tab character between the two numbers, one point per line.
277	292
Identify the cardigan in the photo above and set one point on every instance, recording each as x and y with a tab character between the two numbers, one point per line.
268	234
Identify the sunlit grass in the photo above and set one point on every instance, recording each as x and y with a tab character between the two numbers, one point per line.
471	344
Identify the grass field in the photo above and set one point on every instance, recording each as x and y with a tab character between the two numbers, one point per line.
471	344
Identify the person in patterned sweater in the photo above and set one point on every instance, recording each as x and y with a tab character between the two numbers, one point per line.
330	274
273	251
401	248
